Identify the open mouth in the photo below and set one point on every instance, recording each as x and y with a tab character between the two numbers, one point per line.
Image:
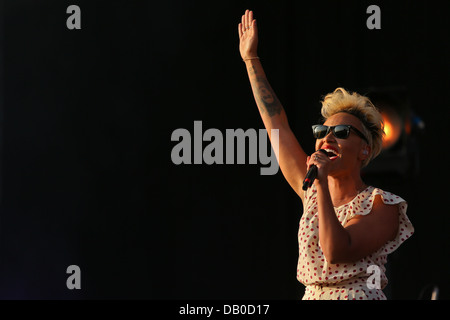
332	154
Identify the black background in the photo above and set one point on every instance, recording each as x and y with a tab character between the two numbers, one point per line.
86	123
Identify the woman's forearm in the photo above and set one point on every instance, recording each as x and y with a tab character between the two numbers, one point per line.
334	239
269	106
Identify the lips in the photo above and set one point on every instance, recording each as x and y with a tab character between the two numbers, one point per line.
332	152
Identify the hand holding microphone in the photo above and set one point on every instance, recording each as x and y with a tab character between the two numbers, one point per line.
311	174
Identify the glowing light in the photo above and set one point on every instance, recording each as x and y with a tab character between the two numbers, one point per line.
392	128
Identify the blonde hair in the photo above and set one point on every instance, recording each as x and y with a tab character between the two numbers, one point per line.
341	100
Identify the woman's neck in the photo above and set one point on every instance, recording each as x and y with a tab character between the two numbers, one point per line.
344	188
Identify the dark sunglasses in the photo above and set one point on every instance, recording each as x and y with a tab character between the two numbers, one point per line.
341	131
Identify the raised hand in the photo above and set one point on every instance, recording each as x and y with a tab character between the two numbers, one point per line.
248	36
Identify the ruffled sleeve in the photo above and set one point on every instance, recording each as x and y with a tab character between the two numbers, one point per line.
363	206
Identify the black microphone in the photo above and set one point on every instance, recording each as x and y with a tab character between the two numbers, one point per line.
311	174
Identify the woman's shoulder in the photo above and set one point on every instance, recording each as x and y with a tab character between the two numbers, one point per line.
406	228
387	197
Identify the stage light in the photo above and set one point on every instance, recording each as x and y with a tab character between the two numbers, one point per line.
393	161
393	127
399	158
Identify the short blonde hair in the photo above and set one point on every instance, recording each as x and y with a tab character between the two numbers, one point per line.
341	100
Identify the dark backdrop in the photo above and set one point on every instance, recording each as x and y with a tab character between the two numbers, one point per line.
86	123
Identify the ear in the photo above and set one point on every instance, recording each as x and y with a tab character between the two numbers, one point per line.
365	152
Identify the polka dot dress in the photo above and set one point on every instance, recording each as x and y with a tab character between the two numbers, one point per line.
346	281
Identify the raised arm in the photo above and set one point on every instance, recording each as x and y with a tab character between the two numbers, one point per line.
291	157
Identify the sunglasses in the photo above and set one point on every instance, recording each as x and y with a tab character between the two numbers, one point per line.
341	131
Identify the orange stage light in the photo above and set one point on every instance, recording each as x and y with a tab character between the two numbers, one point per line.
392	127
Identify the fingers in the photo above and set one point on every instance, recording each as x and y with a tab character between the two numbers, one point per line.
247	22
240	30
253	27
246	19
318	155
316	158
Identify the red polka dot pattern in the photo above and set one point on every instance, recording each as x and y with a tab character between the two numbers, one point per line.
324	280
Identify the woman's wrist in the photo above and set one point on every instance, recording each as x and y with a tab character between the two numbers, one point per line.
322	185
251	55
255	57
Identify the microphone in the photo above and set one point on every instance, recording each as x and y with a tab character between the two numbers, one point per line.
311	174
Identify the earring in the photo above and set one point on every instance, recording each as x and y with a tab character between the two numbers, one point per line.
365	152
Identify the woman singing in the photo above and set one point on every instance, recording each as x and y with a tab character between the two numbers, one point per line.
347	228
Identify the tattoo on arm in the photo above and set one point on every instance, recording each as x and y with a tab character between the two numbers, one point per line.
268	100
